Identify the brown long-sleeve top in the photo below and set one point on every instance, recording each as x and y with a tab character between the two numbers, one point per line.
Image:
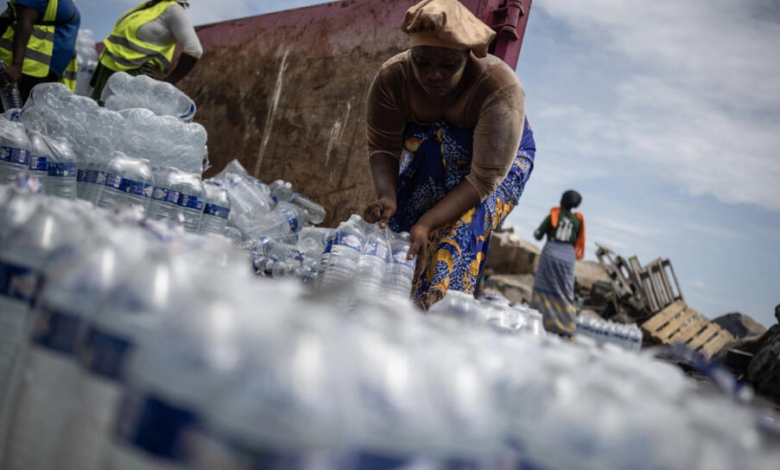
489	99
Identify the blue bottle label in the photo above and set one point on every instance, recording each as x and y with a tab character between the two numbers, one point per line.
18	282
191	202
377	249
80	176
292	220
13	155
217	211
155	426
90	176
329	245
268	268
159	194
348	240
39	164
166	195
105	355
372	461
62	170
400	257
135	187
113	181
100	178
57	331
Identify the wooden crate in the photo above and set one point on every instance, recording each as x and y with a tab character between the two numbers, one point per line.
679	323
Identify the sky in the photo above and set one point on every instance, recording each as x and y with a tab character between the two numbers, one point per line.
664	115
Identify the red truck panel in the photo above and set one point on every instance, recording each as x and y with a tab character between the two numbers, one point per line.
285	92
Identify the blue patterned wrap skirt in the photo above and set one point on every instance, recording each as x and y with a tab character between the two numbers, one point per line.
437	159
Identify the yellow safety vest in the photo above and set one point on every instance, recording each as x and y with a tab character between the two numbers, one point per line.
124	51
70	74
40	46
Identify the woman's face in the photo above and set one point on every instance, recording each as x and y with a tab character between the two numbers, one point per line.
438	69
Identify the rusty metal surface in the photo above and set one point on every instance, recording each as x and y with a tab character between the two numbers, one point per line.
285	93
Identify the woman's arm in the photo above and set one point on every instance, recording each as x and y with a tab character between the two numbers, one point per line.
385	125
543	228
496	140
181	28
384	171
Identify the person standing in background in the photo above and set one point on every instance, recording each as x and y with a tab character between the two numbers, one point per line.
39	43
143	42
553	293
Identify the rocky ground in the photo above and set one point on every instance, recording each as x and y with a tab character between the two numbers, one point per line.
754	356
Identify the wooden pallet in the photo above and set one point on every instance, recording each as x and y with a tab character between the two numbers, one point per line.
679	323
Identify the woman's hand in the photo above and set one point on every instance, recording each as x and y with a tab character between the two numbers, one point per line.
419	238
380	211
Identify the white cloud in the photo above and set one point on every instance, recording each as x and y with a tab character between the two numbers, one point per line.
695	102
698	284
713	231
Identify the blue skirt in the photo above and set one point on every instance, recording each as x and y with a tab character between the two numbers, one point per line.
437	159
553	293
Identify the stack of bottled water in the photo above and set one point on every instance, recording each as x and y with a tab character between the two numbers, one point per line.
128	157
127	345
87	58
628	337
373	259
164	140
126	92
490	310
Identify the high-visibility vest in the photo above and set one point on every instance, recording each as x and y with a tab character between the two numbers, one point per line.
40	46
124	51
69	75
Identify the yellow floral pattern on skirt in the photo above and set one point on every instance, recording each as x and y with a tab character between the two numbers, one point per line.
437	159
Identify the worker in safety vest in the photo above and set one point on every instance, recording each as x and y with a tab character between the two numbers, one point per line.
38	43
143	42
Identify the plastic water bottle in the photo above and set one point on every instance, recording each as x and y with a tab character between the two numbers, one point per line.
39	158
13	115
217	210
130	312
23	254
281	251
175	376
283	384
94	175
328	240
312	240
16	206
14	151
283	191
11	97
373	263
281	224
191	199
128	181
51	370
400	271
164	203
344	253
269	267
247	202
62	170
